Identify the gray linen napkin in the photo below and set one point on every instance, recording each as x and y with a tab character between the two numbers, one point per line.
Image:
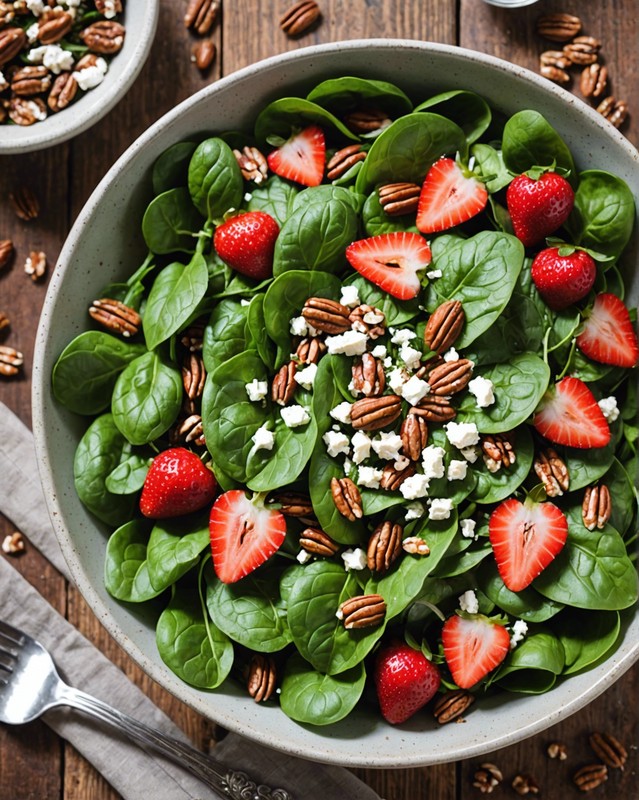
132	772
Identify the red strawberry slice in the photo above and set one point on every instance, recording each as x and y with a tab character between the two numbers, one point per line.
449	197
301	158
177	483
391	261
608	335
539	207
525	538
473	647
563	278
569	414
246	242
243	535
405	681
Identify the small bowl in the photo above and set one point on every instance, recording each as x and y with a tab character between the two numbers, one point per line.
107	236
140	19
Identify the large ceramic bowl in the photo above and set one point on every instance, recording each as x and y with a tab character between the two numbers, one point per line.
140	19
104	245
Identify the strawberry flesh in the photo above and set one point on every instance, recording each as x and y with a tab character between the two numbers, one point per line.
539	207
391	261
246	242
243	535
177	483
569	415
562	280
525	538
473	647
608	335
301	158
448	197
405	681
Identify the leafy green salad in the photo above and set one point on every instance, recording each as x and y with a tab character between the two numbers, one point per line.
373	384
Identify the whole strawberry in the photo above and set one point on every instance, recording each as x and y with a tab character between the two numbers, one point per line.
563	275
405	681
538	206
177	483
246	243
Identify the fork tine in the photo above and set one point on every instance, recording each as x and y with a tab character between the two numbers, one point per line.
11	633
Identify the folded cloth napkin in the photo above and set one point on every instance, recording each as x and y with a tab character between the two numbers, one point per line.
132	772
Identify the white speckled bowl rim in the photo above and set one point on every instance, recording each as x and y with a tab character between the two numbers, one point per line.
141	18
104	242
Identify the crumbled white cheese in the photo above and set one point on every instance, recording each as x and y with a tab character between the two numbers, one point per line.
352	389
373	317
609	409
51	56
350	343
263	439
414	487
109	9
471	454
433	461
90	77
414	390
256	390
298	326
32	32
248	196
295	416
462	434
354	559
379	351
402	335
483	389
457	470
401	463
306	377
440	508
303	556
350	296
245	303
361	446
468	528
414	510
339	614
451	355
342	412
36	7
387	445
369	477
387	362
468	602
336	443
348	466
434	273
3	81
520	629
396	378
410	356
492	465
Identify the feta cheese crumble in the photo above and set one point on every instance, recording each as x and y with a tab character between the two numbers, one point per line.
295	416
297	326
609	409
414	390
396	378
350	343
520	629
468	528
414	487
462	434
468	602
303	556
440	508
354	559
482	389
361	446
306	377
51	56
471	454
414	510
342	412
263	439
90	77
36	7
336	443
379	351
410	356
451	355
373	317
457	470
350	296
433	461
369	477
256	390
33	32
433	274
402	335
388	446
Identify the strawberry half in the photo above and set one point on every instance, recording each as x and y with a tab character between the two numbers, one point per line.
569	414
563	275
301	158
391	261
243	535
246	242
608	335
538	207
525	538
177	483
405	681
473	647
449	196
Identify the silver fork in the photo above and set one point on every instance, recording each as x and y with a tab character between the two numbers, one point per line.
30	685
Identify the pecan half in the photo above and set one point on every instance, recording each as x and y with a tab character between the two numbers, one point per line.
557	750
115	316
300	17
310	350
487	777
364	611
444	326
434	409
12	40
590	776
28	81
63	91
365	120
555	74
558	27
452	705
25	111
583	50
193	375
105	37
6	252
36	265
13	544
414	433
283	386
392	478
373	413
342	160
450	377
384	546
326	315
10	361
369	320
347	498
615	111
593	80
369	378
54	25
252	164
25	203
262	677
498	451
193	337
204	53
555	58
201	15
317	542
525	784
190	429
292	504
609	749
552	472
596	508
398	199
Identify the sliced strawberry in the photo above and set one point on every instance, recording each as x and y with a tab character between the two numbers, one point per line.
301	158
177	483
608	335
405	681
392	261
448	197
569	414
243	535
473	647
525	538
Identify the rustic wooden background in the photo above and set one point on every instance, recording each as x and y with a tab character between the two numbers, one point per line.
34	763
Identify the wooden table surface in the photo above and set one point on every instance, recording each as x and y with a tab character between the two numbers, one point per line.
34	763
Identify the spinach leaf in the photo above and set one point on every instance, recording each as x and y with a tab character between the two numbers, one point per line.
622	491
215	181
173	299
377	221
526	604
461	563
587	466
174	547
481	272
129	476
317	699
126	573
86	371
530	141
470	111
256	331
490	165
532	667
325	192
281	117
275	197
340	95
492	487
586	636
171	223
225	334
146	398
171	167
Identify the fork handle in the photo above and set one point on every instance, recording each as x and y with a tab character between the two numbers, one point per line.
227	782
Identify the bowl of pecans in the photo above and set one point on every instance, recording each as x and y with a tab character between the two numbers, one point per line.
63	68
319	430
